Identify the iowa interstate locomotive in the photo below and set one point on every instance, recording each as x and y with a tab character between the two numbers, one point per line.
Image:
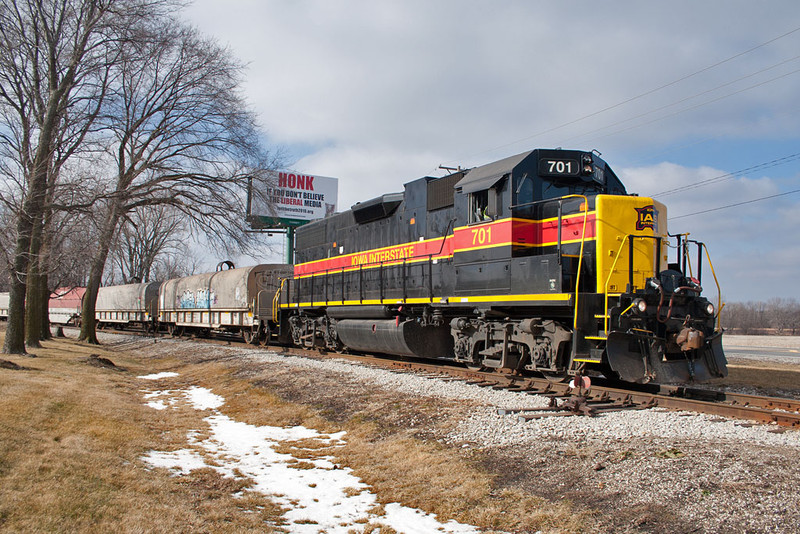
539	262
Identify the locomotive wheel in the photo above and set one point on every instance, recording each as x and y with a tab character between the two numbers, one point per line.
555	377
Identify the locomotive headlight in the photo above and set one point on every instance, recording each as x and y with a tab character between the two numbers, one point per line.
587	166
640	305
710	309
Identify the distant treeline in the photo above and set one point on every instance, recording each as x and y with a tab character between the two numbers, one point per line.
776	316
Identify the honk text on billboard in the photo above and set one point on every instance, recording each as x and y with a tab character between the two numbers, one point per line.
293	195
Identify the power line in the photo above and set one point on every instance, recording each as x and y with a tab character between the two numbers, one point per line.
686	99
734	205
637	97
727	176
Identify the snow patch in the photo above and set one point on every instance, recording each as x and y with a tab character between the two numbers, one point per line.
319	495
158	376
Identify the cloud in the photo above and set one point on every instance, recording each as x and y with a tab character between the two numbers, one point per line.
464	77
381	93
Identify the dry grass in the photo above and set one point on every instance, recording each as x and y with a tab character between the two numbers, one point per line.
72	435
439	480
765	375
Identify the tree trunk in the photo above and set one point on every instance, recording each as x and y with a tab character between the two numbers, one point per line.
88	320
36	212
33	291
15	332
45	296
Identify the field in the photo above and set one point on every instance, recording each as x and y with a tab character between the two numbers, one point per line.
83	429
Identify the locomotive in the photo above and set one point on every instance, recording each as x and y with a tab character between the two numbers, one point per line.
538	262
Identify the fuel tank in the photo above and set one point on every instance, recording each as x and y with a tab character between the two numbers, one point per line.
402	338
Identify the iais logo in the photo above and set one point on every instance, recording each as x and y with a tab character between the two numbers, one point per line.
647	217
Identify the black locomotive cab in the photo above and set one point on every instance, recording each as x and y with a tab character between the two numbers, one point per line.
529	263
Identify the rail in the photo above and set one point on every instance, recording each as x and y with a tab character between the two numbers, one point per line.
784	412
601	397
276	300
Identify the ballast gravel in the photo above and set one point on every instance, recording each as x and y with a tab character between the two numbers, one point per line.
486	427
641	470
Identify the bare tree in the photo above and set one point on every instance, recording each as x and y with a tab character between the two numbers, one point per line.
183	137
148	233
176	264
782	314
54	71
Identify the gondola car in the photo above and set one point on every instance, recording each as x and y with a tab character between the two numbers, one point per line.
538	262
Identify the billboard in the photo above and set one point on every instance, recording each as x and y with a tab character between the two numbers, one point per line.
291	198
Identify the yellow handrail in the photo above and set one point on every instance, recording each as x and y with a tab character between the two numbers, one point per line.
276	299
580	255
611	271
720	304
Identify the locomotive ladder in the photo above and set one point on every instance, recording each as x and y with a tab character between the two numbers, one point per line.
585	207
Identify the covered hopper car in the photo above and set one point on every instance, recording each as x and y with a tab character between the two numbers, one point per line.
229	300
129	304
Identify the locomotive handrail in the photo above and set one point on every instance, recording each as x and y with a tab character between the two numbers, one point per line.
683	257
720	304
276	300
629	240
580	258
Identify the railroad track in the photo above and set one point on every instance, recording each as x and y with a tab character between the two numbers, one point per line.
601	398
566	400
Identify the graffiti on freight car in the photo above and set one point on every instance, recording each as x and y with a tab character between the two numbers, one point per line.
202	298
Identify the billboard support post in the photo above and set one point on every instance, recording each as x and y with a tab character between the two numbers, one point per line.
290	245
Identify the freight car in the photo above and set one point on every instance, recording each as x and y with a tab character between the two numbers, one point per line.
229	300
128	305
538	262
4	297
64	307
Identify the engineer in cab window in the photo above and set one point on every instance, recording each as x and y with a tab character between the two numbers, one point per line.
480	204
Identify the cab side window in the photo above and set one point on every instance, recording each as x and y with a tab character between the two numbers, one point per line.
479	206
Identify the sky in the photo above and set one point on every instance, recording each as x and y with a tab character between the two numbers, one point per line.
673	94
